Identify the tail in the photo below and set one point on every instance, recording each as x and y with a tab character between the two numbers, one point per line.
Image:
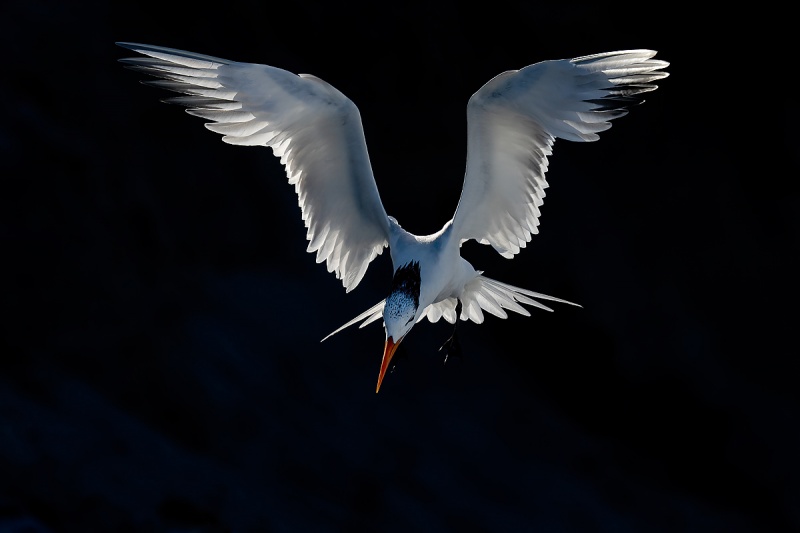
480	294
487	294
370	315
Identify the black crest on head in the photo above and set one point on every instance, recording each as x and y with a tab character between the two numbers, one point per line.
406	280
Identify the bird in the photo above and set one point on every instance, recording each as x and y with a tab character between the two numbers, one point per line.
513	121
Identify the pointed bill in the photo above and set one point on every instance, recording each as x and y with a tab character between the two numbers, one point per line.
388	353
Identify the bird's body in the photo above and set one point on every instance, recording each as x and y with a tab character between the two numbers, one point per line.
513	121
438	256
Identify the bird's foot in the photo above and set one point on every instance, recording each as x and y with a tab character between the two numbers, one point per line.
451	347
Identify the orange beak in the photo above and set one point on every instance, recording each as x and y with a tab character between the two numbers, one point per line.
388	353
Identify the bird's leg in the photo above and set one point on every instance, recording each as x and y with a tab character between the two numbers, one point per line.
452	346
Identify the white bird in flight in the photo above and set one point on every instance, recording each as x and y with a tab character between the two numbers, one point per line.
512	123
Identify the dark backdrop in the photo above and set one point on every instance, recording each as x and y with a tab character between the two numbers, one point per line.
161	367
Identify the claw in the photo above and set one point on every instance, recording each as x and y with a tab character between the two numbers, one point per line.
451	347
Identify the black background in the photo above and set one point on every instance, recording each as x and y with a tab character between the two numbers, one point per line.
161	366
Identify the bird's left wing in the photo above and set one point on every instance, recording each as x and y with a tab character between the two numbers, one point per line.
513	121
314	129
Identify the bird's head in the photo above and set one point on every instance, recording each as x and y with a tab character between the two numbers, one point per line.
400	311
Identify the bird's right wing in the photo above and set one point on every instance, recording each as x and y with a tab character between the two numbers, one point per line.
314	129
515	118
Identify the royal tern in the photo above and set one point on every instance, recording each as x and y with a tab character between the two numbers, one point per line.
513	121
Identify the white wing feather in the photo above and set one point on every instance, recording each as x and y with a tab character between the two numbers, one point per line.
513	121
314	129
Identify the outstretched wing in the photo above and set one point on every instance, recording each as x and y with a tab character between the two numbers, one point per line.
513	121
314	129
